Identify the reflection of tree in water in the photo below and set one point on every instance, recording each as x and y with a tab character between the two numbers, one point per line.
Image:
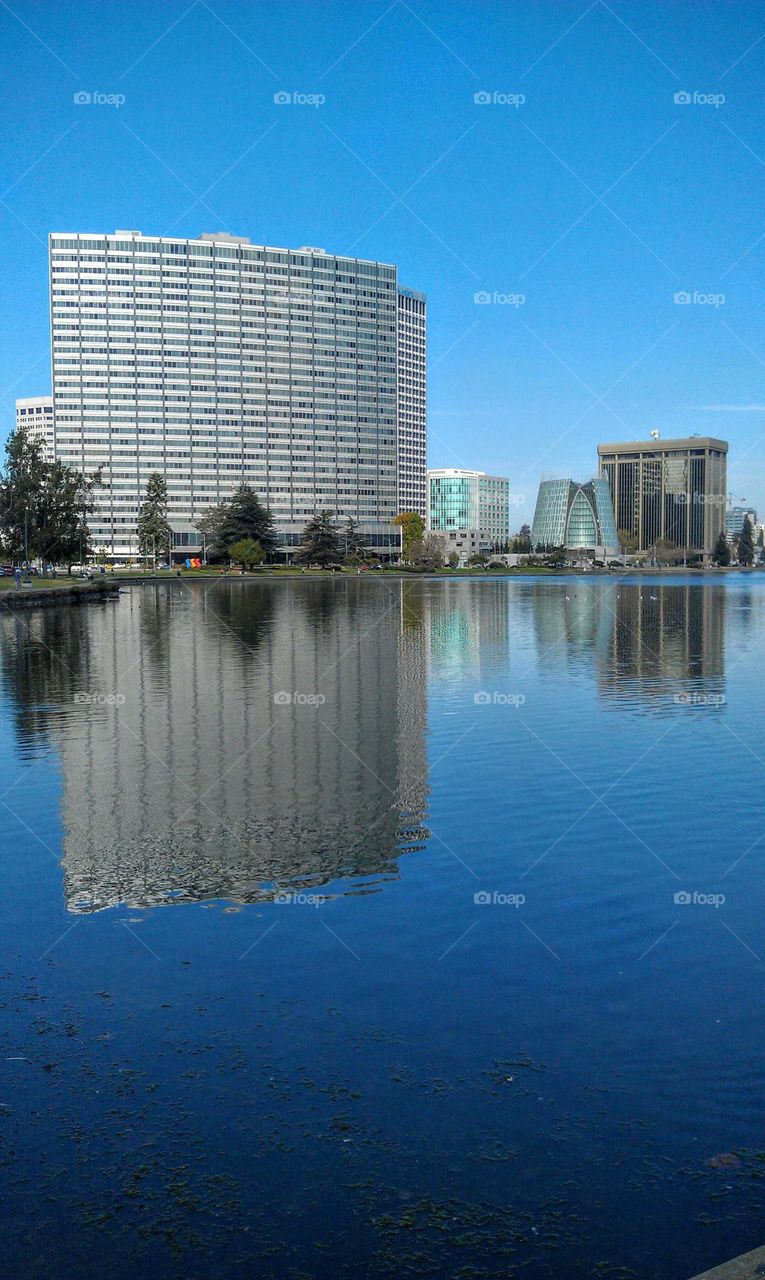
45	664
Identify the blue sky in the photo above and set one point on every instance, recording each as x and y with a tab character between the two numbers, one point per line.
596	199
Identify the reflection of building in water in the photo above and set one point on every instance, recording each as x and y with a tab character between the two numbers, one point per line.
468	626
221	773
648	643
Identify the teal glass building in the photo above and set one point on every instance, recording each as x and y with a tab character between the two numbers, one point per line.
577	516
469	501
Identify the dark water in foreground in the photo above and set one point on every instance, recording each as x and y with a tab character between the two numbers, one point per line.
385	976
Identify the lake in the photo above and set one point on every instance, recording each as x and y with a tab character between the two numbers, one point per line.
381	928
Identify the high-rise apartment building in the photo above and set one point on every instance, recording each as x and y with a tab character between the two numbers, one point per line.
35	415
217	362
470	509
669	490
412	461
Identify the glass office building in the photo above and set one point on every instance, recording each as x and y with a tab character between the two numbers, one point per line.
576	516
734	520
469	503
217	362
670	490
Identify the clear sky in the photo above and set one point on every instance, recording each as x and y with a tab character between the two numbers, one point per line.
596	199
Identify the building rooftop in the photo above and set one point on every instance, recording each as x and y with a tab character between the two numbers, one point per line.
658	446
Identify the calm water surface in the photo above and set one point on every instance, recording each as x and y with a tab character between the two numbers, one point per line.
341	933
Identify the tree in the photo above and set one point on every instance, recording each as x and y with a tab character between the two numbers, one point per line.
478	560
153	528
412	530
454	559
66	500
745	544
320	545
242	516
721	552
247	552
353	544
522	541
555	557
23	480
628	541
667	552
44	505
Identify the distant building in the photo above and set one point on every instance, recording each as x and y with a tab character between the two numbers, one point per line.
470	509
35	414
576	516
671	490
734	520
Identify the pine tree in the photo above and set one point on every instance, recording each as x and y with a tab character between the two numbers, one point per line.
745	546
153	527
321	544
243	516
354	545
721	553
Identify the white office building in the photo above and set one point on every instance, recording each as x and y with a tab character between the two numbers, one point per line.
35	415
217	362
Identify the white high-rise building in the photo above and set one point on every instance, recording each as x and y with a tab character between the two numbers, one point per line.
35	415
412	432
217	362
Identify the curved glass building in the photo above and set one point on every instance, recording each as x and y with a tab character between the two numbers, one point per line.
576	516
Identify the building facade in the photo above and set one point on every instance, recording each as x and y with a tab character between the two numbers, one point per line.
218	362
734	520
35	415
470	509
576	516
670	490
412	405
